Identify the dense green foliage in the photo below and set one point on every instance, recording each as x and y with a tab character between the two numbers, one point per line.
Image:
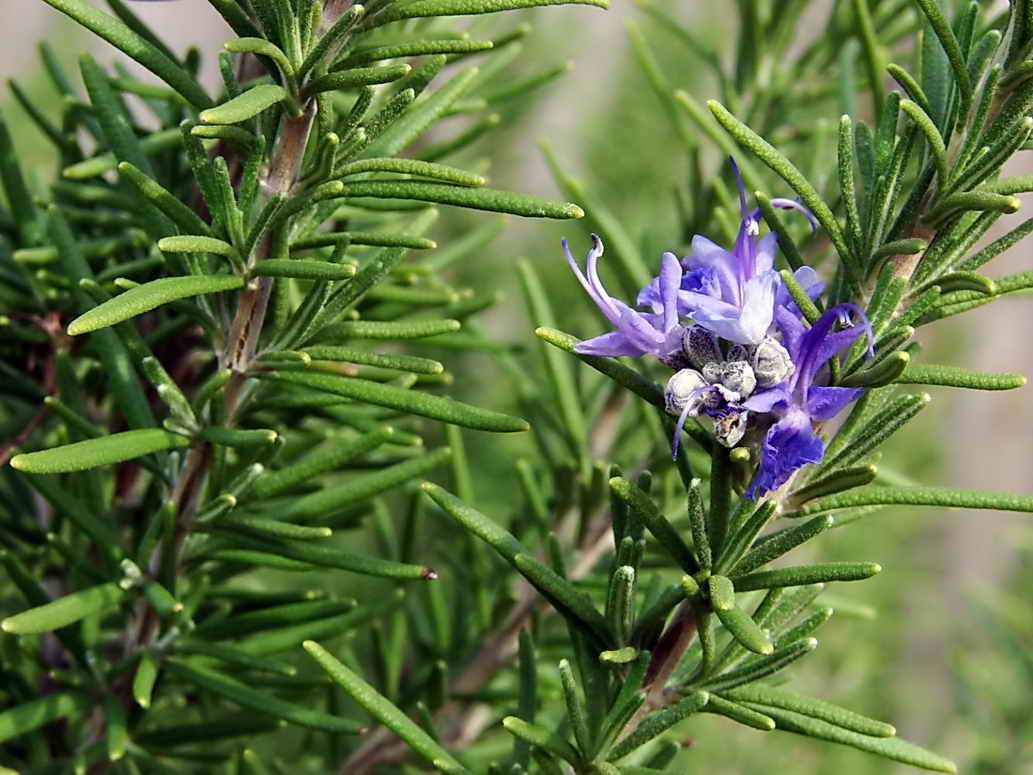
224	383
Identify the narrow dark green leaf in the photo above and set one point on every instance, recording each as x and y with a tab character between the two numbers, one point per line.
837	481
144	298
326	458
364	487
410	363
319	554
18	197
738	623
659	722
261	47
436	407
944	497
808	574
773	546
22	719
810	312
269	528
112	116
739	713
528	698
566	597
278	639
887	747
193	243
426	8
65	610
612	368
416	167
953	376
884	371
333	38
500	539
812	707
259	701
245	106
577	714
303	270
115	720
364	54
144	678
642	506
868	431
542	738
359	76
758	668
232	655
185	219
119	35
558	589
942	28
974	201
401	329
101	451
385	711
487	199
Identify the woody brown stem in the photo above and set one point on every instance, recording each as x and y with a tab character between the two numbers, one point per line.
668	652
242	343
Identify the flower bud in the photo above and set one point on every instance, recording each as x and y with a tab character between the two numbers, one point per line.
684	386
739	352
738	376
701	347
771	363
713	372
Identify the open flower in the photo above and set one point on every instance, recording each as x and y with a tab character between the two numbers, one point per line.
733	293
656	333
798	402
735	337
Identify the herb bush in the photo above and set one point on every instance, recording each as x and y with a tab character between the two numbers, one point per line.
224	373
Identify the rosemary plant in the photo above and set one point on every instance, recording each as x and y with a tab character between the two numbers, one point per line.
223	375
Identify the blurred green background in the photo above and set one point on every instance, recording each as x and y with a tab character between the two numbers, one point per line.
941	642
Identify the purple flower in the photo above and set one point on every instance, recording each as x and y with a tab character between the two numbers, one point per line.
743	357
798	402
638	333
733	293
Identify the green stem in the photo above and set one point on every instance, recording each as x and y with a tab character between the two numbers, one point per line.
720	497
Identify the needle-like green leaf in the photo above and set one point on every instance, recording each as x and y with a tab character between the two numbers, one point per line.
384	711
944	497
24	718
888	747
487	199
65	610
807	574
953	376
436	407
119	35
101	451
144	298
265	702
245	106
